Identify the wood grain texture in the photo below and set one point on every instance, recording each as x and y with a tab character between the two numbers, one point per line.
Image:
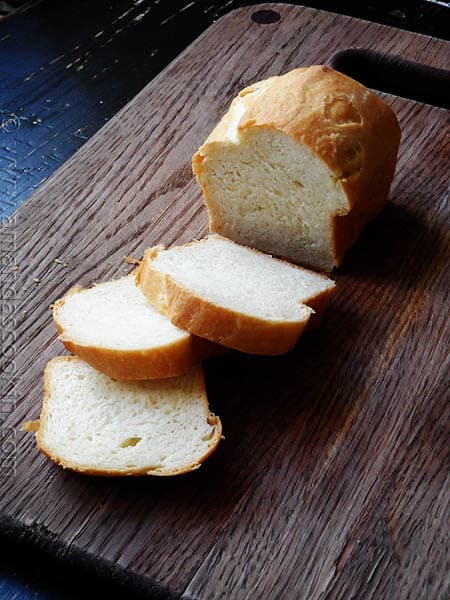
331	482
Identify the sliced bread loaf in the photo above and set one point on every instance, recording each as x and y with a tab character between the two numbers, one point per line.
232	295
114	328
93	424
299	164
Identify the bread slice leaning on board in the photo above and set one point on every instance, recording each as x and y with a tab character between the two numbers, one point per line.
233	295
114	328
299	164
95	425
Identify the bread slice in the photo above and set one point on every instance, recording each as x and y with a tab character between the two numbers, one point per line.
114	328
93	424
232	295
299	164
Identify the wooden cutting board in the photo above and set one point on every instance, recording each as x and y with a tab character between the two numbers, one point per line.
331	482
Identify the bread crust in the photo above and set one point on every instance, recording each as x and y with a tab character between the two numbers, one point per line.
160	362
218	324
79	468
352	130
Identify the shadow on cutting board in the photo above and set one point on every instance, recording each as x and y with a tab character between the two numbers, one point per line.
395	248
289	409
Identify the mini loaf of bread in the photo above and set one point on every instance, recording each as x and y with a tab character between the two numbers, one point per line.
299	164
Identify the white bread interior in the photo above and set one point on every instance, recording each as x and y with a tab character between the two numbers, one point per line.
271	193
114	314
233	295
113	327
298	165
93	424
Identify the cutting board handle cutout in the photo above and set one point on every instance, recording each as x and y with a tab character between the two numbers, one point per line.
395	75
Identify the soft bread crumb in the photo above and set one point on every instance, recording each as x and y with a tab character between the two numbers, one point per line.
299	164
93	424
242	279
233	295
114	315
114	328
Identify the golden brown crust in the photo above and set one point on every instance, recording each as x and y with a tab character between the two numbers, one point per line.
154	363
342	122
319	303
158	363
72	466
224	326
373	190
30	426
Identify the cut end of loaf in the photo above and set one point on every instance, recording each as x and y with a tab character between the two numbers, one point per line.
270	193
292	158
95	425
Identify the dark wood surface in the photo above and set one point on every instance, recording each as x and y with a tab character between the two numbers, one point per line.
67	67
331	482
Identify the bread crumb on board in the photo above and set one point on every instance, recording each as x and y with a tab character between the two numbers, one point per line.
131	260
30	426
58	261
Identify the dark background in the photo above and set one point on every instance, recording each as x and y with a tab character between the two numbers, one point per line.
65	69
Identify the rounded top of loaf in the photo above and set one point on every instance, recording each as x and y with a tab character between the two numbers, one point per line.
340	120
